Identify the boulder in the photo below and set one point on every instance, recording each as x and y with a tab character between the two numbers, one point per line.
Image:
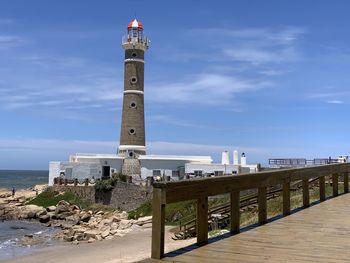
62	207
32	210
44	218
73	219
124	224
51	208
68	238
91	240
79	237
105	234
40	213
75	242
85	217
123	215
91	234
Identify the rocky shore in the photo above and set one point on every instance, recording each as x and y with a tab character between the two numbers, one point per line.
76	225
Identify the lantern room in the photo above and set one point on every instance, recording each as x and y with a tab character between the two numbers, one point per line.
135	35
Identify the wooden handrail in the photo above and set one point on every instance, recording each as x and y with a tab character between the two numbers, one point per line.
200	189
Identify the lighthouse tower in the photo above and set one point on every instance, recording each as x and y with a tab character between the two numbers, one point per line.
132	135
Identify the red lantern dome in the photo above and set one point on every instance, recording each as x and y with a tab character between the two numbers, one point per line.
135	24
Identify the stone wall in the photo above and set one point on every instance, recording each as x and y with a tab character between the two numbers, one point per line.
84	192
124	196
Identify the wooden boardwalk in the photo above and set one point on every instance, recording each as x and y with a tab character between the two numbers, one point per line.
320	233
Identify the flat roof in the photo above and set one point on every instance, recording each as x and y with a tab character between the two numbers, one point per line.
176	157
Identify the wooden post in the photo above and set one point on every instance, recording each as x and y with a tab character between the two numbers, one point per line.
306	194
346	182
158	224
202	221
262	203
286	199
235	212
335	184
322	183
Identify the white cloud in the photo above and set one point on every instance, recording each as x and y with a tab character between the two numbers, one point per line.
334	101
257	55
204	89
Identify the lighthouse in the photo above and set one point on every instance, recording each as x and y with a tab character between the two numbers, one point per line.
132	134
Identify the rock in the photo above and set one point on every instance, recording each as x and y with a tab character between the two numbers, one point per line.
44	218
123	215
29	235
62	215
99	213
75	207
30	211
75	242
144	220
66	225
105	234
73	219
124	224
40	213
91	234
109	238
79	237
51	208
68	238
30	215
85	217
62	207
91	240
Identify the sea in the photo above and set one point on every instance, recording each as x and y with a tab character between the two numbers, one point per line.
11	232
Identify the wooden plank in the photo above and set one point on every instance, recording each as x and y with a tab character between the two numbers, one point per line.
202	221
322	186
286	198
158	224
306	194
335	184
262	205
235	213
346	182
195	188
296	238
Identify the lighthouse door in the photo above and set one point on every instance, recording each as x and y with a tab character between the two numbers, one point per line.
106	172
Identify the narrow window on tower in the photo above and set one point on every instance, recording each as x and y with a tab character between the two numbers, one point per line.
132	131
133	54
133	80
133	104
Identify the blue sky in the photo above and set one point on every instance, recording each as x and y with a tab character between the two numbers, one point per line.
270	78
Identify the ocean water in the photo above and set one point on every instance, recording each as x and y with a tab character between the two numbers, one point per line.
12	231
22	179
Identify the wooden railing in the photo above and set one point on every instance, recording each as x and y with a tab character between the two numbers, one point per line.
200	189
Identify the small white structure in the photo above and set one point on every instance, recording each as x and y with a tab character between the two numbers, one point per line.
86	166
83	166
225	158
169	166
235	157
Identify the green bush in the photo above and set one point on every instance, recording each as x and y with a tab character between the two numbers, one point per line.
108	184
103	185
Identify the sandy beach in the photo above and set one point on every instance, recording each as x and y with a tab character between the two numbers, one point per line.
132	247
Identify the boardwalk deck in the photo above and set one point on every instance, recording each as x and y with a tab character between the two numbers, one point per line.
320	233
